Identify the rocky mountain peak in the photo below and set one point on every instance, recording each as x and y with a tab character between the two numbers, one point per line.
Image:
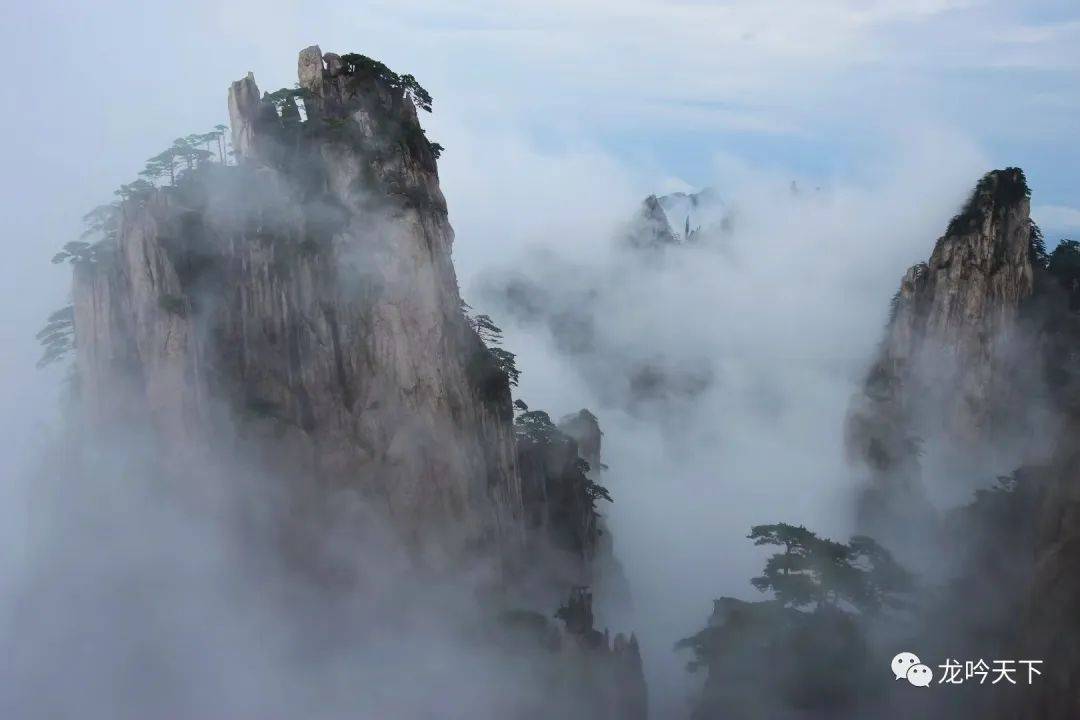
947	366
292	322
678	218
689	215
308	291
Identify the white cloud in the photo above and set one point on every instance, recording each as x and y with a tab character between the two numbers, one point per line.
787	316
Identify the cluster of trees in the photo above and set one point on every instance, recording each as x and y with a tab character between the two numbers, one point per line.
534	425
186	153
542	445
102	223
361	66
57	337
360	71
815	572
1062	264
860	576
806	649
168	167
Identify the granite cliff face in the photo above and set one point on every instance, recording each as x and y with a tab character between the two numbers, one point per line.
304	302
951	368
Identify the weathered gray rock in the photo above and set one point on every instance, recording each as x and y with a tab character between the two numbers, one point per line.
310	289
244	104
310	70
606	574
333	64
948	366
650	229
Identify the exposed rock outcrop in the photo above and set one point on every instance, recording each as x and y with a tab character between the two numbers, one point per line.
608	578
950	365
650	228
304	302
677	219
561	494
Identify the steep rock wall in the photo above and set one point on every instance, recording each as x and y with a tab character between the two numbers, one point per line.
951	365
304	300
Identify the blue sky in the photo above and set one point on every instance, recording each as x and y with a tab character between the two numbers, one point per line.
813	88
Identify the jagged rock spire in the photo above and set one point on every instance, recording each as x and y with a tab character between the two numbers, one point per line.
946	367
244	102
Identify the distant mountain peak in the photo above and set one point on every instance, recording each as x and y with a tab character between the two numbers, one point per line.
678	218
689	213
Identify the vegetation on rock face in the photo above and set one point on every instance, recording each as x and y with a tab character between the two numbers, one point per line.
491	335
1063	264
535	425
178	167
1037	246
76	251
102	227
57	338
997	189
185	154
361	66
176	164
367	86
568	487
